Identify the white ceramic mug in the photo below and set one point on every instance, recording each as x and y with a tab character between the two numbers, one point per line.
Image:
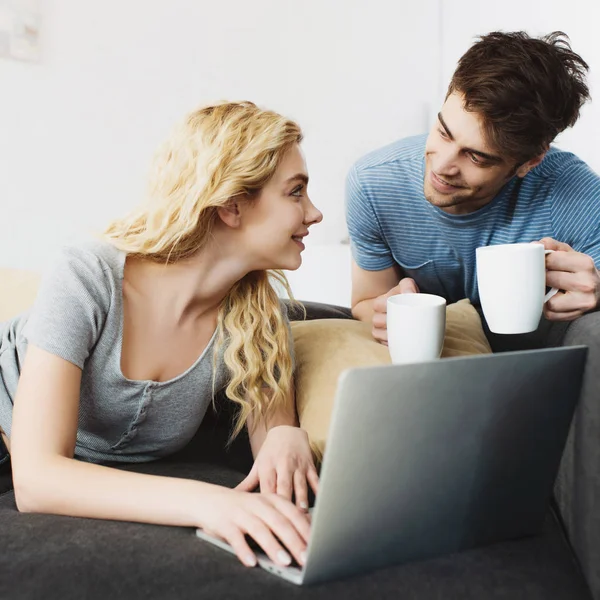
416	324
512	279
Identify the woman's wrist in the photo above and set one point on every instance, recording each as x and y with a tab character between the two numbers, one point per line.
197	500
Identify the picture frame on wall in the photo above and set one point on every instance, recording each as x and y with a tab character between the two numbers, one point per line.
20	30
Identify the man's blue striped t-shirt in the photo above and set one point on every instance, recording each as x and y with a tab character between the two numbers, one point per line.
390	221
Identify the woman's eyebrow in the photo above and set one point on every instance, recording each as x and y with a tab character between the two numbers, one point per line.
298	177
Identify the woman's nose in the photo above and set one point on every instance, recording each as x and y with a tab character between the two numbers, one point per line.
313	214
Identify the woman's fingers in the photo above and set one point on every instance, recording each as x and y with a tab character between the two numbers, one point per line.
236	539
250	482
285	529
264	526
313	479
301	490
285	487
298	518
268	480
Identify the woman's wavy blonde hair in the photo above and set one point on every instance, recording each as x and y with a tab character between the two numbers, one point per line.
220	152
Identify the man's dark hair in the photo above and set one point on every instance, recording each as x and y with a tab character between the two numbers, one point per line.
526	90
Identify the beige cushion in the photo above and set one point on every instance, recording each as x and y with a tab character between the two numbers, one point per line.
17	291
326	347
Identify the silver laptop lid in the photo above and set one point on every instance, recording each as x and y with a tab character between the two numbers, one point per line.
437	457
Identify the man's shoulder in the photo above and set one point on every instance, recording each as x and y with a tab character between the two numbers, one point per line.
559	163
406	152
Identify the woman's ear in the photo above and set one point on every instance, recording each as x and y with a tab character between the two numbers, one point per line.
230	214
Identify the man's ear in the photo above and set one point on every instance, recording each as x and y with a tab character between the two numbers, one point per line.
230	214
530	164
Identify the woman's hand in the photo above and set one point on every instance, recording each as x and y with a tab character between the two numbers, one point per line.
266	518
284	465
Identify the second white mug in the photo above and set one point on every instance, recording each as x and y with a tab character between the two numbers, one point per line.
416	324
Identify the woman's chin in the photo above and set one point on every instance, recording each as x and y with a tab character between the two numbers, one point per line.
289	265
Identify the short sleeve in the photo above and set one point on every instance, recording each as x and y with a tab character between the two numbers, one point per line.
71	306
369	249
576	209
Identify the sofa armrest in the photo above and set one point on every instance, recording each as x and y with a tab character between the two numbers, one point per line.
317	310
577	489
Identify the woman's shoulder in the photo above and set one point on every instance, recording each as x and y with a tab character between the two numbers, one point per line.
75	300
93	260
89	269
93	254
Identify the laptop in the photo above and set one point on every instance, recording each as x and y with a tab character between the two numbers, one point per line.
434	458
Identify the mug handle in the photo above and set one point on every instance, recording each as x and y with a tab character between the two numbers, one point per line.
554	290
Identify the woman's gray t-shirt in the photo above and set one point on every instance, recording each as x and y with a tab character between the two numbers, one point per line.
78	316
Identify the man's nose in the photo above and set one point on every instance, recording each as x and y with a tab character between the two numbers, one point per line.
445	162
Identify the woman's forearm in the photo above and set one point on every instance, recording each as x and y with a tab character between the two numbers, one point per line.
257	430
66	486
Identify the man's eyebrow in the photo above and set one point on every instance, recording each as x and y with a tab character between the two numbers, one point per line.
490	157
297	177
443	123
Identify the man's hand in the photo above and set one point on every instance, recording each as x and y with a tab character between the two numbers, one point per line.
576	275
406	286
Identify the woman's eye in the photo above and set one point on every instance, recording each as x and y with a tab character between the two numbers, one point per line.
442	133
298	191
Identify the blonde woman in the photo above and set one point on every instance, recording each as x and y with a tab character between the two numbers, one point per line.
131	336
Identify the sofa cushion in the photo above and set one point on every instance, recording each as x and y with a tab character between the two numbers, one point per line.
64	558
17	291
325	348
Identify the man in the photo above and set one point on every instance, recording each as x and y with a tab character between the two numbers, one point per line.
485	174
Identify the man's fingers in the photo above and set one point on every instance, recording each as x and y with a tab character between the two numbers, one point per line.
408	286
562	280
561	316
379	334
380	304
379	329
569	303
570	262
552	244
582	283
380	321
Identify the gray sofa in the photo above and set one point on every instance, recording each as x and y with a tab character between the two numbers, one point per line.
52	557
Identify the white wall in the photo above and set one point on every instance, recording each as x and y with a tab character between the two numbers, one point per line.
464	20
78	130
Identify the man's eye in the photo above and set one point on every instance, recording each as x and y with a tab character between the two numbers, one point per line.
476	159
442	133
